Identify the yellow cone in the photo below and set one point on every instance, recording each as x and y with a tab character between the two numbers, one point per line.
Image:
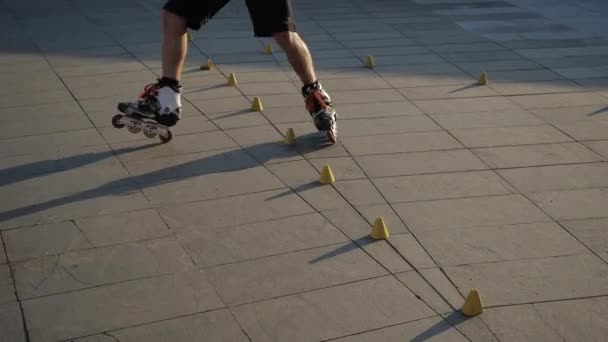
268	49
232	79
472	305
290	137
189	35
370	62
483	80
379	230
327	176
257	105
207	66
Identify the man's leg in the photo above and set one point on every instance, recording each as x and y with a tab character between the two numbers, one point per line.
298	55
175	45
318	102
162	101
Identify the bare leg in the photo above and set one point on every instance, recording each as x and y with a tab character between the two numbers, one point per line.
298	55
175	45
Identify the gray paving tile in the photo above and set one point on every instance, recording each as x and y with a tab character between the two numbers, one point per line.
2	252
22	128
93	267
374	109
591	232
465	105
50	239
446	92
50	143
7	289
342	167
218	325
558	177
220	213
358	228
292	273
527	281
486	119
122	228
476	68
211	186
215	246
421	288
412	251
442	186
408	81
412	163
391	125
391	219
559	100
435	329
491	244
118	306
57	208
359	192
586	130
536	155
469	213
11	323
514	135
573	204
398	143
363	96
478	56
319	315
265	144
600	146
537	87
304	180
572	321
519	323
523	76
571	114
191	143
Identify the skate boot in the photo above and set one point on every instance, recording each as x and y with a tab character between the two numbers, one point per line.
159	102
157	109
319	105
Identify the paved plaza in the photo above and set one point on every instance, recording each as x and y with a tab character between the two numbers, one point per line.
226	234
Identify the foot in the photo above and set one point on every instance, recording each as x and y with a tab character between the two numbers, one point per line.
159	102
319	105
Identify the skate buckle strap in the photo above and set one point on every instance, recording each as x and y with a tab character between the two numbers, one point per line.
315	102
150	89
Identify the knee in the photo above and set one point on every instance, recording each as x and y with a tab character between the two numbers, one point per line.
286	39
173	23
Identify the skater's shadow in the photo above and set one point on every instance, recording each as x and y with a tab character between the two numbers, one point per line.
225	161
354	245
48	167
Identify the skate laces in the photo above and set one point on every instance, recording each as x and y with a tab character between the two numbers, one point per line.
315	102
149	90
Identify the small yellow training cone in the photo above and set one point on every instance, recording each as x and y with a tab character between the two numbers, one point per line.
268	49
472	305
379	230
327	176
483	80
370	62
232	79
189	35
290	137
207	66
257	105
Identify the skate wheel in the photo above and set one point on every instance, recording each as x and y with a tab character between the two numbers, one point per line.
331	136
134	129
166	139
150	132
116	121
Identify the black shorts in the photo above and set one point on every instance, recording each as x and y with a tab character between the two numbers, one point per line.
268	16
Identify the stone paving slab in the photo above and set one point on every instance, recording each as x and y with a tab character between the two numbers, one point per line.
109	236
